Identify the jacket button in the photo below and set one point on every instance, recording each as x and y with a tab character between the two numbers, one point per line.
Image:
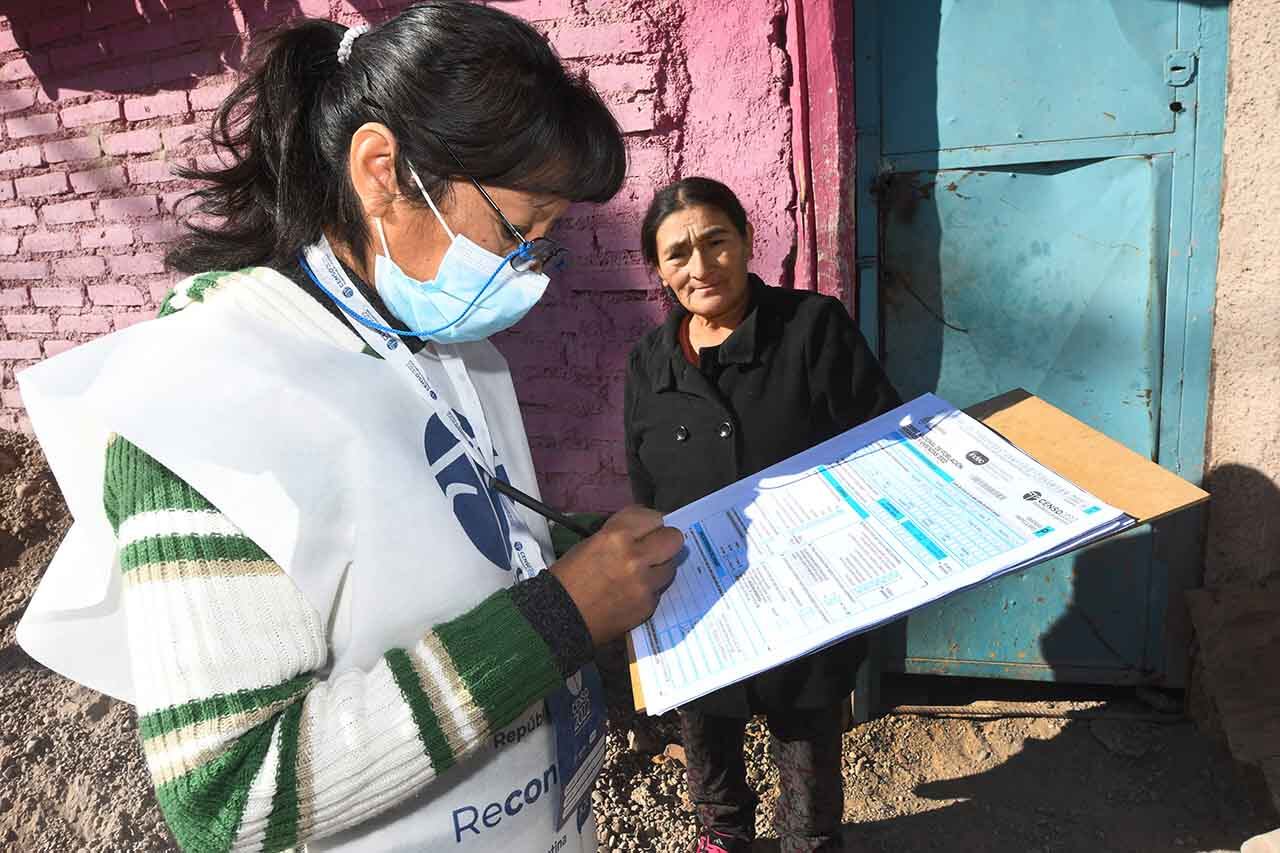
726	429
682	433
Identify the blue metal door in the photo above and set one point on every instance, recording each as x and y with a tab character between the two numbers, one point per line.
1037	190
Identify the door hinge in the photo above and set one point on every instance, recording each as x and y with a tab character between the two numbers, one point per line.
1179	67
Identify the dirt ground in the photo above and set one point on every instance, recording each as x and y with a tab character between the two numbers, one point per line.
1098	773
71	771
1101	773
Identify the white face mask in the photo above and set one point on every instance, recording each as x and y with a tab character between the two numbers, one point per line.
475	293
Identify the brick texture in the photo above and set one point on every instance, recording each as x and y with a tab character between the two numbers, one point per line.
17	217
132	142
155	106
20	158
15	70
36	125
84	324
69	211
99	106
96	180
113	235
576	42
145	264
57	297
14	297
23	349
152	171
538	10
27	323
116	294
135	207
50	241
79	266
84	148
97	112
209	97
51	183
13	100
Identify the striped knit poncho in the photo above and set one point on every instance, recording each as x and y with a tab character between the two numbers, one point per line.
249	748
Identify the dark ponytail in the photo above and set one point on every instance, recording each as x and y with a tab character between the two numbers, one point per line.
263	129
484	81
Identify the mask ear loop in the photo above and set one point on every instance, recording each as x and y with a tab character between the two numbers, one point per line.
382	235
430	203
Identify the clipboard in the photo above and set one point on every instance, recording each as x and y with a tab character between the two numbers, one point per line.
1073	450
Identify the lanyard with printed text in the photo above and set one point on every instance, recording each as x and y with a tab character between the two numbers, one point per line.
577	707
333	280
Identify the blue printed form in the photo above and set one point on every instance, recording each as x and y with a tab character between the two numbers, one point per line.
912	506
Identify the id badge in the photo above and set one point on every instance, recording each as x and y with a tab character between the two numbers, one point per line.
578	715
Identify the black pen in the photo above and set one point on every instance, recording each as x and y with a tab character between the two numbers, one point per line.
539	507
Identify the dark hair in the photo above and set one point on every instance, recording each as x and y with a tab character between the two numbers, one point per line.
686	193
480	79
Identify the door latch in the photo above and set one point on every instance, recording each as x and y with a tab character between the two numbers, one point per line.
1179	67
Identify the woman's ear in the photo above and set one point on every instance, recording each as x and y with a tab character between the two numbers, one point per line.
668	295
372	164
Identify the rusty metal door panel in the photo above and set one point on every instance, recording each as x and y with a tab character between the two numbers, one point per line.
1042	277
1086	617
1038	184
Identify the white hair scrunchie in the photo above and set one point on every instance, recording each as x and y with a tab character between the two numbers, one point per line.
348	39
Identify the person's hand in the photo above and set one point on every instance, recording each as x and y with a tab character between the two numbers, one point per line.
616	576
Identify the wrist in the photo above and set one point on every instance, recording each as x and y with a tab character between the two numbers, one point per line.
553	612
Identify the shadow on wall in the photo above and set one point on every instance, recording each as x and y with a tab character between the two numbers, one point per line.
1243	542
1126	621
128	46
120	46
1237	620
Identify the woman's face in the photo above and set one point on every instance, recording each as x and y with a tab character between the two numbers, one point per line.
414	236
420	242
703	258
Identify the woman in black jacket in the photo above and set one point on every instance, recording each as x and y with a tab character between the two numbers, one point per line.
740	376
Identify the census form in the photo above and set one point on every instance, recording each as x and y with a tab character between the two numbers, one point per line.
879	522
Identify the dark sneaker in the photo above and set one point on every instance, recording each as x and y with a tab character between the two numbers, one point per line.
710	841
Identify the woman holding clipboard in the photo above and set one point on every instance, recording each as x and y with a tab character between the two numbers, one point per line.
741	376
292	491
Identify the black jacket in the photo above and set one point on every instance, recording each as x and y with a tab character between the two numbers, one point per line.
796	372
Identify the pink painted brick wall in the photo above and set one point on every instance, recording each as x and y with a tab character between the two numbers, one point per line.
97	105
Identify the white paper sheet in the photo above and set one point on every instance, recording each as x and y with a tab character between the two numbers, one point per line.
917	504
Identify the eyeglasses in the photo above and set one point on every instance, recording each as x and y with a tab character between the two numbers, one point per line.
540	253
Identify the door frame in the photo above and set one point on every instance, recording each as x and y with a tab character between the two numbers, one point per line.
1193	230
1192	258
